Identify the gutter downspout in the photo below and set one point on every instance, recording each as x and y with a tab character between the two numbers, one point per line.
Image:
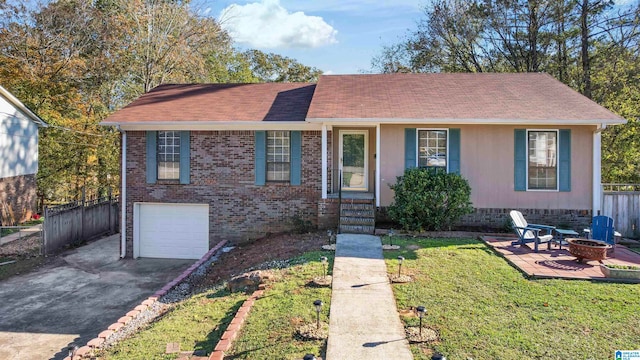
324	161
597	169
123	196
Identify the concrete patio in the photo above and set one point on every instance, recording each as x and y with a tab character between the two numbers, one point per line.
557	263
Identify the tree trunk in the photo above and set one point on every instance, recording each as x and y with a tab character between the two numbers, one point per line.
584	49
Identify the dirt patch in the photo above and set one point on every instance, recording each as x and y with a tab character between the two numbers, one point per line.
272	247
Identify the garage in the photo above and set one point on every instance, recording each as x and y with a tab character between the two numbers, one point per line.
173	231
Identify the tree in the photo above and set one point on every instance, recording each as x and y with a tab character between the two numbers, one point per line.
590	45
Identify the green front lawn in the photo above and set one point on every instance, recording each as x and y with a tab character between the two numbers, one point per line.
483	308
268	333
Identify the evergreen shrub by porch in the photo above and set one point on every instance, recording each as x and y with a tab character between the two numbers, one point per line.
427	199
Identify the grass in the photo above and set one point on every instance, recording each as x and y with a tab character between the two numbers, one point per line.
483	308
268	333
196	324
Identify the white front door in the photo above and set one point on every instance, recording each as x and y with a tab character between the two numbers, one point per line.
354	159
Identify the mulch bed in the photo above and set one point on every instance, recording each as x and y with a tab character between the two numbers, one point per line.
269	248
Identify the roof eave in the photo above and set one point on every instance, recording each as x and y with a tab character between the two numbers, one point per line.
17	103
457	121
212	125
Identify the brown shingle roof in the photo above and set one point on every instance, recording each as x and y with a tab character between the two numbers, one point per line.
218	102
463	96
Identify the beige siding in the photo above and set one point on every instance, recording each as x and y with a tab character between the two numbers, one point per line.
487	162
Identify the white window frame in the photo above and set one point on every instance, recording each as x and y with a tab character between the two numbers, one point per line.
176	135
557	131
288	179
418	145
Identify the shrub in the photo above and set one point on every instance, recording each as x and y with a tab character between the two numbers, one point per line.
427	199
300	225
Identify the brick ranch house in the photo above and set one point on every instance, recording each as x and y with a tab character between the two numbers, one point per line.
237	161
18	159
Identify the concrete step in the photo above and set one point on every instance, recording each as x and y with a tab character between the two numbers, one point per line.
357	229
357	206
369	213
344	220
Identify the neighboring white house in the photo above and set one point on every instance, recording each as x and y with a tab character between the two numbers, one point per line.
18	158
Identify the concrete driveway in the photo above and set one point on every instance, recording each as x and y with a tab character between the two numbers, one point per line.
76	297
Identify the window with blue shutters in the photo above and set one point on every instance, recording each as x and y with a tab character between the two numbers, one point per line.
542	159
168	156
433	148
278	157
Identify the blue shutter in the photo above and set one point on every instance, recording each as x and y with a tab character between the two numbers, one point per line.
296	157
454	151
520	164
410	148
185	158
261	157
152	160
564	160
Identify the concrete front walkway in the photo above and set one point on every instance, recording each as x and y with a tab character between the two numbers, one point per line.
364	321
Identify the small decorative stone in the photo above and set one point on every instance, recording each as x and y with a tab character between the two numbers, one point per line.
400	279
414	335
172	348
330	247
390	247
322	281
311	331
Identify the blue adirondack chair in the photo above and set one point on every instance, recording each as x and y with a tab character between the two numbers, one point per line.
602	229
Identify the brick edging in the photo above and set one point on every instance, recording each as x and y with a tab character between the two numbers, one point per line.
233	329
95	343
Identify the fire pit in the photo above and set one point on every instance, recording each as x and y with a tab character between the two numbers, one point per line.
588	249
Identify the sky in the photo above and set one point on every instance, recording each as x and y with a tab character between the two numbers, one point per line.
335	36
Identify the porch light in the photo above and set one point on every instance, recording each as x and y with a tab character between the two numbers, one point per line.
318	305
400	260
421	311
324	261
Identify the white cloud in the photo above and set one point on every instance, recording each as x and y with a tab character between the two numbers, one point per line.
267	24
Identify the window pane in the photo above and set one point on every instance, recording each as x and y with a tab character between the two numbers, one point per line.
278	156
168	155
542	160
432	148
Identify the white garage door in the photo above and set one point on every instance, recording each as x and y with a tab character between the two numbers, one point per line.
176	231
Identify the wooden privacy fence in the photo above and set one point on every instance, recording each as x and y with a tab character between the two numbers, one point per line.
622	203
79	221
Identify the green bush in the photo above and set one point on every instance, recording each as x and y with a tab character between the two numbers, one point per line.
427	199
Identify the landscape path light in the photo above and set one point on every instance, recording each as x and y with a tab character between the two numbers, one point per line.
324	261
318	305
309	357
437	356
390	234
421	311
72	351
400	260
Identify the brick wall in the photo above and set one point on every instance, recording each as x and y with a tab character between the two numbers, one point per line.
222	175
17	198
498	219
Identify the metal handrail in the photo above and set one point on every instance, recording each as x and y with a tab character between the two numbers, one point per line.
339	200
